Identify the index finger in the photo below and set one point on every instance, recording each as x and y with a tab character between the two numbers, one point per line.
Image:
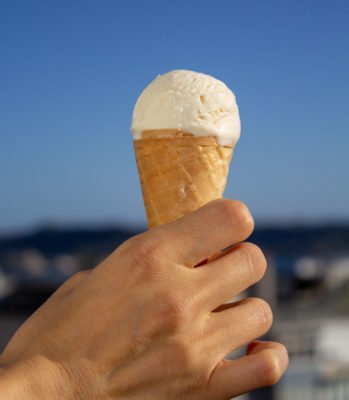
213	227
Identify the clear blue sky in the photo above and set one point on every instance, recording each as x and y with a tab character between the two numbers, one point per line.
71	71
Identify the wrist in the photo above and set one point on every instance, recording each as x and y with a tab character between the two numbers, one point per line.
36	378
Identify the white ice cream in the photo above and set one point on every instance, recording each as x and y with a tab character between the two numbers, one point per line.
191	102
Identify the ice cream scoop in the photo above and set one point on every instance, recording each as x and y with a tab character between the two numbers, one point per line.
191	102
185	127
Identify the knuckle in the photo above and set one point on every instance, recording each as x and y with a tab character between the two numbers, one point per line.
263	314
237	215
255	260
169	312
146	250
272	370
174	313
184	354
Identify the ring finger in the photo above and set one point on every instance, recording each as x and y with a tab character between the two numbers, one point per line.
238	324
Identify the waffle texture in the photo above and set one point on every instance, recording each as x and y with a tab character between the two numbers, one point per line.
179	172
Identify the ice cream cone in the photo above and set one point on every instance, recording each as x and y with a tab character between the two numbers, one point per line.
179	172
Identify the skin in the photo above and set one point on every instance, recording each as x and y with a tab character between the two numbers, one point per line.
146	325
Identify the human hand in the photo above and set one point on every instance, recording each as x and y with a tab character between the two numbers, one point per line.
146	325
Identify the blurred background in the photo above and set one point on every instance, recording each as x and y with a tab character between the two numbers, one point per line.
71	72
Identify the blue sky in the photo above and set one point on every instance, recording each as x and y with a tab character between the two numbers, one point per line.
71	71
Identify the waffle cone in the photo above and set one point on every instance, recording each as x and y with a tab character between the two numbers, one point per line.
179	172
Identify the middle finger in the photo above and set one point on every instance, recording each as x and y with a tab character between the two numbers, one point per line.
227	276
